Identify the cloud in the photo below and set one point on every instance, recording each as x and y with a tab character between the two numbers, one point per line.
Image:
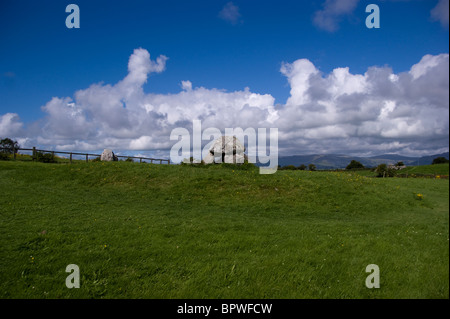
122	116
440	12
370	112
339	112
10	125
333	10
186	85
230	13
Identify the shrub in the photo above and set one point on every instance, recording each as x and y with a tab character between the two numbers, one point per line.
302	167
4	156
440	160
7	145
384	171
354	165
129	159
97	159
45	157
312	167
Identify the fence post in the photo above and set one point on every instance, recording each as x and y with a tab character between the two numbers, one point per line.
87	158
70	158
53	155
14	153
34	154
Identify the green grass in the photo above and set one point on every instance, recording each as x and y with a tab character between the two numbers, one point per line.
170	231
436	169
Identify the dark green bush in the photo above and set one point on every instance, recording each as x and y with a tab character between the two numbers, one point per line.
7	146
45	157
440	160
354	165
4	156
383	170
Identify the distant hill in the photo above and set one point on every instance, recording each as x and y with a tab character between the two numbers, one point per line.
334	161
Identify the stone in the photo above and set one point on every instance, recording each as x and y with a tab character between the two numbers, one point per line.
209	159
226	149
108	156
227	145
235	158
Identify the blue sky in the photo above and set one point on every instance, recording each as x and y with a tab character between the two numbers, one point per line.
217	45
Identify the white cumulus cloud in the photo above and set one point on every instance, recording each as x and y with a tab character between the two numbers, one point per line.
10	125
375	112
341	111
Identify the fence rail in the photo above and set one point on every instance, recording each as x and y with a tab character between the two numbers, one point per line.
35	155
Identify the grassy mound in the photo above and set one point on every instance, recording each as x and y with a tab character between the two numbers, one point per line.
170	231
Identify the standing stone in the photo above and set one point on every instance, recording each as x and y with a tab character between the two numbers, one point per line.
108	156
227	145
209	159
226	149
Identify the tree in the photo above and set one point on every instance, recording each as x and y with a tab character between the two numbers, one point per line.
384	171
312	167
45	157
400	164
7	145
302	167
440	160
354	165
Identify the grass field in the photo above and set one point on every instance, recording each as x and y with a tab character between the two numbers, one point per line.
170	231
436	169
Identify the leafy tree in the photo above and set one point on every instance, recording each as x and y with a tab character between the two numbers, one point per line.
354	165
384	171
45	157
290	167
440	160
400	164
302	167
7	145
312	167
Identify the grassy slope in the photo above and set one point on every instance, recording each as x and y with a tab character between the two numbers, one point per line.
436	169
159	231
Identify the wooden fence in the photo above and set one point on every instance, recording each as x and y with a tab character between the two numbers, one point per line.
35	155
